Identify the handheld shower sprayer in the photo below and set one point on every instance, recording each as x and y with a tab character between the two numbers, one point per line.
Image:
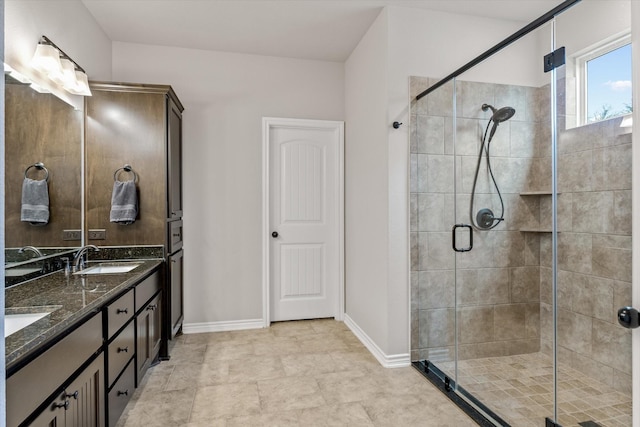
498	116
485	219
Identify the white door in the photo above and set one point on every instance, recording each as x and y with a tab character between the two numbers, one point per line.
304	217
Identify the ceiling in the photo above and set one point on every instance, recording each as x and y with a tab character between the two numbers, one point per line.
325	30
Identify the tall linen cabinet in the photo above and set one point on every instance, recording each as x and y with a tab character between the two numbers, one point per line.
138	125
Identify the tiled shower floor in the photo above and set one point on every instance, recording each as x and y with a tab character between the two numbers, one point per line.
519	389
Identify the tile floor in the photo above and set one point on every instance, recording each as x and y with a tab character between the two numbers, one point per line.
303	373
520	390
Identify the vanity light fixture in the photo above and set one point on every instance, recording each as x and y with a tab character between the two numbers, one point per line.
50	60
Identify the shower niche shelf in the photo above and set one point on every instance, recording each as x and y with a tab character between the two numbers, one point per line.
536	193
535	230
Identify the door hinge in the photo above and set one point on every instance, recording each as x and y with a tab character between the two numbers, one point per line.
554	59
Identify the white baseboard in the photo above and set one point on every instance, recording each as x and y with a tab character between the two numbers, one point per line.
388	361
230	325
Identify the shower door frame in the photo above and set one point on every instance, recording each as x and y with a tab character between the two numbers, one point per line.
635	194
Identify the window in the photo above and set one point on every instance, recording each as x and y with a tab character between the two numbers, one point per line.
604	81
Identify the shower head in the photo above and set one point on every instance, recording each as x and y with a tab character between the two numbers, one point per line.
501	115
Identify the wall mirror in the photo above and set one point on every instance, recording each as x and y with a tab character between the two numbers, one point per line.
41	129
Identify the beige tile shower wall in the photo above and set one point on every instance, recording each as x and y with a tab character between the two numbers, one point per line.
498	282
594	253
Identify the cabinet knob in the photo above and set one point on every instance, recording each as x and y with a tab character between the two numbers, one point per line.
64	405
122	310
74	395
152	306
123	349
123	393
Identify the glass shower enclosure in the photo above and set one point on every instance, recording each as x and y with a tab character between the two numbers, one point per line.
521	231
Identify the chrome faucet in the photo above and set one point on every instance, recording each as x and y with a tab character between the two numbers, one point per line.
78	259
30	248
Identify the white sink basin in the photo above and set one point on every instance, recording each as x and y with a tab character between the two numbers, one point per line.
15	322
108	269
16	272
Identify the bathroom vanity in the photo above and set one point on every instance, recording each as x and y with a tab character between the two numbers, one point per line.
80	344
80	363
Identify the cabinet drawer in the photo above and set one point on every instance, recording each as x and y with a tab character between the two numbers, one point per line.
175	236
146	290
121	393
30	386
119	312
121	350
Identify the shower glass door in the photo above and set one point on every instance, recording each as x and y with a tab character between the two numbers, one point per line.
593	262
503	184
521	226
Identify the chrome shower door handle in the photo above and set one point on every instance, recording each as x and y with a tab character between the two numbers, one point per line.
453	238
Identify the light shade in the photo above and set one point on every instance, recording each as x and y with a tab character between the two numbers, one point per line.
46	59
81	86
68	73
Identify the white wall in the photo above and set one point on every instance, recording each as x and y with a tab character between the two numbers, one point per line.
67	23
225	97
366	184
590	22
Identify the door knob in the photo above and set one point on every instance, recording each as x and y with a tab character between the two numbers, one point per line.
629	317
274	234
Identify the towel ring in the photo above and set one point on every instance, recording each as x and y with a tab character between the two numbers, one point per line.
39	166
126	168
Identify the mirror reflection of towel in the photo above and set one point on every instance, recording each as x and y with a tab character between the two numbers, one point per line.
124	202
35	202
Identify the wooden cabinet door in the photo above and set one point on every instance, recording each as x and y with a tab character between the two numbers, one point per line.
149	339
155	330
86	397
176	293
80	404
174	161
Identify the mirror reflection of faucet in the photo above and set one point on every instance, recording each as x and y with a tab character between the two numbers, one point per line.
79	261
33	249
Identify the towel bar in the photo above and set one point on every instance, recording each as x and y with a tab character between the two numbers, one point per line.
39	166
126	168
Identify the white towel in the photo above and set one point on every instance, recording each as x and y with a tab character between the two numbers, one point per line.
35	202
124	202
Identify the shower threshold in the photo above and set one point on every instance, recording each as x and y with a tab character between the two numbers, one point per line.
475	409
519	389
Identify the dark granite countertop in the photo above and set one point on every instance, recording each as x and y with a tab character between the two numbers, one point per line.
69	299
